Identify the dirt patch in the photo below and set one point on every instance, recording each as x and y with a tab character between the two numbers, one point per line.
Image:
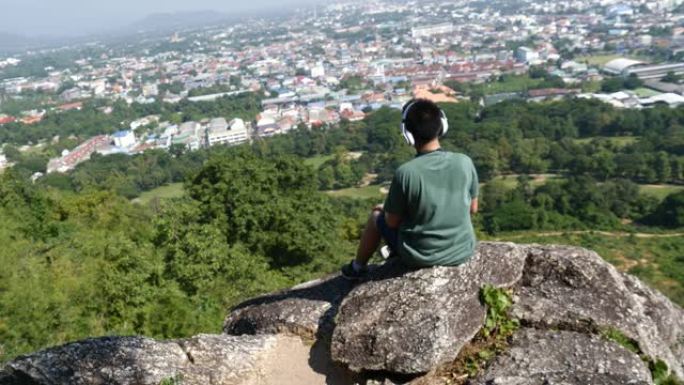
294	362
368	179
354	155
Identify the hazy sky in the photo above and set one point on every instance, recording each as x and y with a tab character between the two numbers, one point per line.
73	17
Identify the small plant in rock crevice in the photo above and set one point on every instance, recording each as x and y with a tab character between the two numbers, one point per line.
492	339
498	321
497	329
659	370
175	380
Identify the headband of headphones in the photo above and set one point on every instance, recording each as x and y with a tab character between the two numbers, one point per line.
408	136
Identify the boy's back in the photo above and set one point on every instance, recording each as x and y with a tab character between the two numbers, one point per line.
432	193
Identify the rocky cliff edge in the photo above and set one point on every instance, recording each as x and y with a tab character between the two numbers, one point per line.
579	321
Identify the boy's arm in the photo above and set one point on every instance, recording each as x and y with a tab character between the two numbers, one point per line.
393	220
474	205
474	190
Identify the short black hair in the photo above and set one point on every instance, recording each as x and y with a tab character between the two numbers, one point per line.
424	120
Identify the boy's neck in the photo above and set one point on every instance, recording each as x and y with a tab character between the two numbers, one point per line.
433	145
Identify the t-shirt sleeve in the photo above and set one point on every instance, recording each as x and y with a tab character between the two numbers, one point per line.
395	203
475	182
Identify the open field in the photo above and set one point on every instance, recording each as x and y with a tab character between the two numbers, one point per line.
619	141
509	181
173	190
596	60
317	161
646	92
660	191
371	191
510	84
656	259
591	86
601	60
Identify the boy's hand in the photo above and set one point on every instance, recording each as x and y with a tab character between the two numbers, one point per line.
379	207
474	206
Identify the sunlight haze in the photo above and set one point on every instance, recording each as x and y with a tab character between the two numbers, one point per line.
55	18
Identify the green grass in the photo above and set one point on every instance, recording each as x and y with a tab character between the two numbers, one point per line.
657	261
173	190
591	86
601	60
317	161
660	191
646	92
510	84
511	181
368	192
596	60
619	141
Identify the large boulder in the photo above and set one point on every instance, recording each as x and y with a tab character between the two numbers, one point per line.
538	357
573	288
303	310
412	322
200	360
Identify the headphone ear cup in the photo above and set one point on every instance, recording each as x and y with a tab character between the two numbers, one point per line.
408	137
445	125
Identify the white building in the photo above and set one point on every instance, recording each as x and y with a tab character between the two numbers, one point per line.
620	66
124	139
150	89
192	128
427	31
317	71
526	55
220	132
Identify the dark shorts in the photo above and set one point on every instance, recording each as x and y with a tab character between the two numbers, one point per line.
391	236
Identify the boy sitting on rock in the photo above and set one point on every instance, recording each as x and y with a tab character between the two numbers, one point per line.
425	220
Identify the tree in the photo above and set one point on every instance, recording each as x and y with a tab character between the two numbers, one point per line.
671	77
670	213
326	177
662	167
269	205
612	85
633	82
514	215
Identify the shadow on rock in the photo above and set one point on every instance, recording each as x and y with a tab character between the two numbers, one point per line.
308	311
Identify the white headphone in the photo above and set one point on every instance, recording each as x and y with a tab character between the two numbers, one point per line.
408	136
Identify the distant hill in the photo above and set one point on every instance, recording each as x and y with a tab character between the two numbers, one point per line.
156	23
10	42
162	22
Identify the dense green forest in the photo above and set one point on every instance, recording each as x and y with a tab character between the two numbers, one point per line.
92	263
82	259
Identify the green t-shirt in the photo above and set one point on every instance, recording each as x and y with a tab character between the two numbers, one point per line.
432	194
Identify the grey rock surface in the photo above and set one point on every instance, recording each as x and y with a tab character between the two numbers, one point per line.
561	357
412	322
574	288
305	310
204	359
